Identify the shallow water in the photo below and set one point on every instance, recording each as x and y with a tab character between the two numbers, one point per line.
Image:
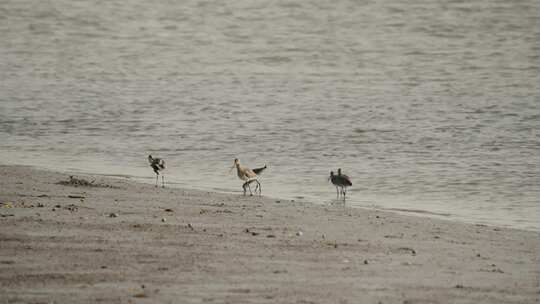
431	106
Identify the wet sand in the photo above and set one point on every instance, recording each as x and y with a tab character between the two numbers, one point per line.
118	241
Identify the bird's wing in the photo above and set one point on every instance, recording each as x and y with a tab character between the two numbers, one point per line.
346	179
157	164
259	170
250	174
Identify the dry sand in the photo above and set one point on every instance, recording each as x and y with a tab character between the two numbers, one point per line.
183	246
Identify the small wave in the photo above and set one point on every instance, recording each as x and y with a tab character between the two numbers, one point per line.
534	117
418	211
290	5
360	131
274	59
171	27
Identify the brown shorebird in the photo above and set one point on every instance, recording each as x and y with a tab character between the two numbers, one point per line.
158	165
248	176
341	181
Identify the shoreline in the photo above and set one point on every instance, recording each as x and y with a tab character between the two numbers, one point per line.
126	241
176	185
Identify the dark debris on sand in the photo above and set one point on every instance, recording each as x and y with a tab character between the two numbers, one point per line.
81	182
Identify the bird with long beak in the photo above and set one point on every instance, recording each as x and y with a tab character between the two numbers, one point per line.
247	175
341	181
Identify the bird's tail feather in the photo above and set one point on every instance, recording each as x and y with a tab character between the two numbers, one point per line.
259	170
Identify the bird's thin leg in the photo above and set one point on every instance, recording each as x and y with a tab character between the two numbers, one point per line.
157	179
163	181
337	191
244	187
258	187
249	187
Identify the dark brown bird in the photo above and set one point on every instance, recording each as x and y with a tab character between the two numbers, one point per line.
158	165
341	181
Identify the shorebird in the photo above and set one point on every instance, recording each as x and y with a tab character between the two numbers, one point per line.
248	176
341	181
158	165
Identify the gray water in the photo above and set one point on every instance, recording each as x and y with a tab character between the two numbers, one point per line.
430	106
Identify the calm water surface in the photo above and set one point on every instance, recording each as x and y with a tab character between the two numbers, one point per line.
431	106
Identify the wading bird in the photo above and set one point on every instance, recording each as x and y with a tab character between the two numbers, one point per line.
158	165
341	181
248	176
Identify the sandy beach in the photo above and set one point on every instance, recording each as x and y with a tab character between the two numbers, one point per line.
118	241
